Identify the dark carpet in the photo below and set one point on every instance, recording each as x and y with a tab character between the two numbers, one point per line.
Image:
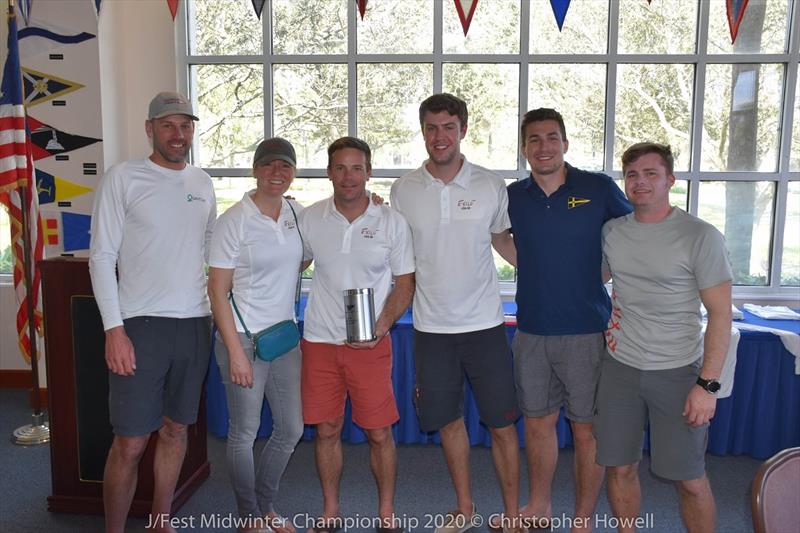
424	488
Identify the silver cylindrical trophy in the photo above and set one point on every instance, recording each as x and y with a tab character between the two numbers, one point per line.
359	315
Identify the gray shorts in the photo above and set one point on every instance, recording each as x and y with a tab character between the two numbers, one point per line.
171	362
442	359
627	398
552	371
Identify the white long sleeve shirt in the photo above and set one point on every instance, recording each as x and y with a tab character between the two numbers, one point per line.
154	225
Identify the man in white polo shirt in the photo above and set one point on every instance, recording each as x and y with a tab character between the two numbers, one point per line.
354	244
457	211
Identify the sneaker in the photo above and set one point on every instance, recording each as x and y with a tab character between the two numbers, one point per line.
457	522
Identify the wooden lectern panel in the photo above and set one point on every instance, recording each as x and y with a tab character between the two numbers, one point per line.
77	383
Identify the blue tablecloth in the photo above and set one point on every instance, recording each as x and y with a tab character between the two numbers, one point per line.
761	417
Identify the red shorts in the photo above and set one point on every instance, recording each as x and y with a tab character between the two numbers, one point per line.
331	372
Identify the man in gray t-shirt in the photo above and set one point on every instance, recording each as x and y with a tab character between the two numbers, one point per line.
659	367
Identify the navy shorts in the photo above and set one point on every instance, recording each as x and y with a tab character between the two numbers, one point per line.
171	362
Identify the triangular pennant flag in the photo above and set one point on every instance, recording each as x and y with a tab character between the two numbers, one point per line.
40	87
173	7
75	227
51	35
55	189
466	8
362	7
258	5
41	36
96	4
69	189
48	141
50	231
735	10
560	8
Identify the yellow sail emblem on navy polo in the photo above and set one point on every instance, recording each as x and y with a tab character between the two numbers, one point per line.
574	201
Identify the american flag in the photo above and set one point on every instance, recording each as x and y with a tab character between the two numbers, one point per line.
16	172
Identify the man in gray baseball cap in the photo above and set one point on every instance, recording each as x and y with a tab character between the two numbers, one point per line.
169	103
151	222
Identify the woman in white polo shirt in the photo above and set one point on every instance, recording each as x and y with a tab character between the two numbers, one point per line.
256	253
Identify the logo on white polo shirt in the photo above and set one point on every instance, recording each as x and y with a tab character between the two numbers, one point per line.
289	224
465	205
368	233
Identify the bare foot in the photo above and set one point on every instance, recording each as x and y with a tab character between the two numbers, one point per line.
536	520
278	523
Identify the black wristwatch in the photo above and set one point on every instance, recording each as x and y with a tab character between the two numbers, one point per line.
711	386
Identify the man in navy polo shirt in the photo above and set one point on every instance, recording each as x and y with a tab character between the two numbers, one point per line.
557	214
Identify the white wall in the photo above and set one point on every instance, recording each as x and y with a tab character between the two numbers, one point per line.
137	60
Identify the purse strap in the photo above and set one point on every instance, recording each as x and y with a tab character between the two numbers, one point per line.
241	320
299	274
297	288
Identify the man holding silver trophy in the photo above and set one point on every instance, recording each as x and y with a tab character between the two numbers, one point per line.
358	248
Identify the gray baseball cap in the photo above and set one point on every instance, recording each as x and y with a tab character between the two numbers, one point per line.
274	148
169	103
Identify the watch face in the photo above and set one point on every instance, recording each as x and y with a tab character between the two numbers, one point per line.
713	386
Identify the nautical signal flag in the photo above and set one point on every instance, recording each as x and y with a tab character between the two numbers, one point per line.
48	141
362	7
258	6
173	7
735	10
50	230
560	8
55	189
39	39
40	87
69	229
465	9
75	228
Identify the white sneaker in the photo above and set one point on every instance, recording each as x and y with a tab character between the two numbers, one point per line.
458	522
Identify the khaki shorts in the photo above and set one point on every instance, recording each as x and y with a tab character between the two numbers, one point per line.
627	398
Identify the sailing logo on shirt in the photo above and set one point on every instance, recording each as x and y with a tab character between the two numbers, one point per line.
465	205
574	201
368	233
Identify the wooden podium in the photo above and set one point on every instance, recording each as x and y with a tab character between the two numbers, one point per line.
77	383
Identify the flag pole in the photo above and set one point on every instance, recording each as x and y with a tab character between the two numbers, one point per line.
37	432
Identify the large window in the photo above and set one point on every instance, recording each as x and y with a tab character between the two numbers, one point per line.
620	71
